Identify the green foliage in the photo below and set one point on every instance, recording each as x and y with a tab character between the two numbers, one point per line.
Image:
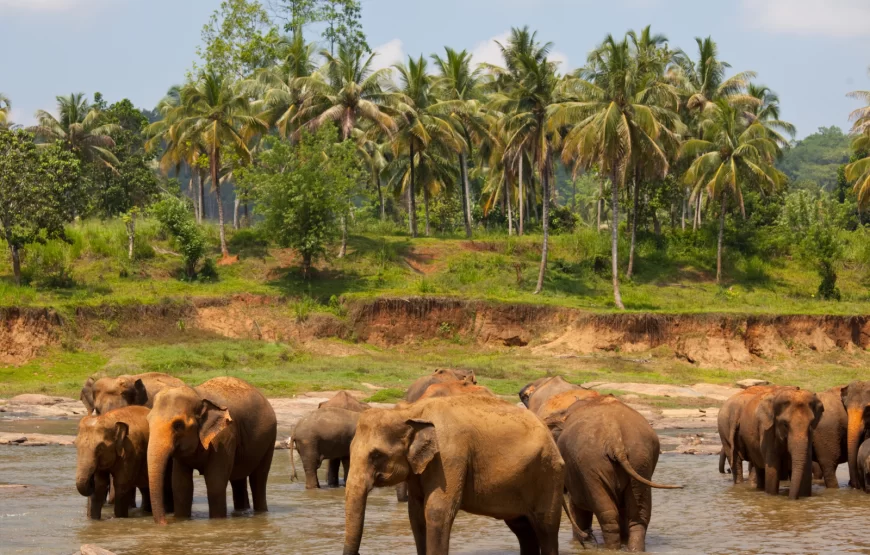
817	158
176	217
302	189
342	19
562	220
238	39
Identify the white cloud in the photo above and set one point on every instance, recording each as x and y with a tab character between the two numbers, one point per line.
388	54
835	18
489	52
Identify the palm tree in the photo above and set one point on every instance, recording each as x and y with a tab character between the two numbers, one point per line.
419	127
374	153
763	107
458	87
5	108
80	129
859	170
619	124
531	94
216	114
732	154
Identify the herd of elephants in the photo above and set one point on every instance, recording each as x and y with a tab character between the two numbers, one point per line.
450	445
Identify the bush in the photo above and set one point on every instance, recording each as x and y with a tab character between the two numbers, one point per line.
49	264
249	243
175	215
562	220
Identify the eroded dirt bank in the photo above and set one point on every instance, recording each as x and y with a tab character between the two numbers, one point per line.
705	339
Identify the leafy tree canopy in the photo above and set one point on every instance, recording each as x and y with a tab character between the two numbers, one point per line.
817	157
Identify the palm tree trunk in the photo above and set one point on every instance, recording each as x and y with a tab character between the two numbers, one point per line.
614	240
721	236
342	251
521	199
463	170
685	211
380	194
16	262
545	221
201	196
426	208
246	220
131	234
236	205
574	194
634	210
507	195
600	204
215	179
194	191
412	202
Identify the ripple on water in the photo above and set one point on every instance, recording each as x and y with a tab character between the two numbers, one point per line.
708	516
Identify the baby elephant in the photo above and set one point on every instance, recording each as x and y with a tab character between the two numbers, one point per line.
114	444
864	463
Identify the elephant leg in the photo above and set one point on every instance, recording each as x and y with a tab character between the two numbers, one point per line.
829	474
310	463
216	480
241	502
258	482
638	505
402	492
101	489
182	489
440	510
345	464
122	501
168	495
759	476
110	500
417	517
584	523
771	479
332	473
606	510
737	469
146	499
525	533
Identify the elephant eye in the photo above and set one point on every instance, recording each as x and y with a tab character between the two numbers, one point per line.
178	426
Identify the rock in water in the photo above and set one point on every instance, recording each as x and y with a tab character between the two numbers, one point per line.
746	384
90	549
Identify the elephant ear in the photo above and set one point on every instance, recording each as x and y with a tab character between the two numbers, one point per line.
122	429
87	395
765	413
424	444
140	394
556	423
213	419
818	410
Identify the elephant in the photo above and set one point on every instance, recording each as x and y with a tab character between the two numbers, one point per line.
115	445
536	393
441	375
325	433
856	399
610	454
829	437
105	394
774	432
864	463
728	415
564	400
450	389
344	400
484	456
225	429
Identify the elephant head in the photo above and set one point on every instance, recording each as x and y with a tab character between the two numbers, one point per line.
113	393
387	448
458	373
543	389
181	423
791	415
99	443
856	399
87	395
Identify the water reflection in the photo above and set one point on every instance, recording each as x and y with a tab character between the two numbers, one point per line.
709	516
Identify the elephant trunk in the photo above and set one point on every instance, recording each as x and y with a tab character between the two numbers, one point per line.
801	463
356	496
158	457
85	481
854	431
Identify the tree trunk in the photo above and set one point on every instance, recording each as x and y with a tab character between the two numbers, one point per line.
215	179
545	220
342	251
574	194
191	190
246	219
131	234
521	199
614	241
412	202
634	210
380	194
657	226
507	195
721	236
600	204
463	170
237	203
426	208
194	185
16	263
685	211
201	186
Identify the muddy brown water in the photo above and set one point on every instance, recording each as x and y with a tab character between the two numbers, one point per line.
709	516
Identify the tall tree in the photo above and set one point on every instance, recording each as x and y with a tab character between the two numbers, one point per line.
80	128
859	170
5	108
238	39
732	154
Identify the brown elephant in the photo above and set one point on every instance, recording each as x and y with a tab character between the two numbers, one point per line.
450	389
225	429
864	463
774	432
727	420
562	401
418	388
104	394
539	391
344	400
483	456
325	433
113	446
829	437
610	454
856	399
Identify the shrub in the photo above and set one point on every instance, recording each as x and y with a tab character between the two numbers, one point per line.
176	217
562	220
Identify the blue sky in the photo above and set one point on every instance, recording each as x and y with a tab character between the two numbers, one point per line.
811	52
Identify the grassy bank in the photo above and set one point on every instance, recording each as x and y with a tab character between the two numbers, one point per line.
674	273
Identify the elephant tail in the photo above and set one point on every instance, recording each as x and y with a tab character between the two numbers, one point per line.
291	443
722	458
622	459
582	535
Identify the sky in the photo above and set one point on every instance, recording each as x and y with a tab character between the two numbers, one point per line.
811	52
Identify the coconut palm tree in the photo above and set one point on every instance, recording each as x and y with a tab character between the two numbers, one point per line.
859	170
620	124
217	115
763	107
80	129
732	154
530	93
374	153
5	108
458	88
419	127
